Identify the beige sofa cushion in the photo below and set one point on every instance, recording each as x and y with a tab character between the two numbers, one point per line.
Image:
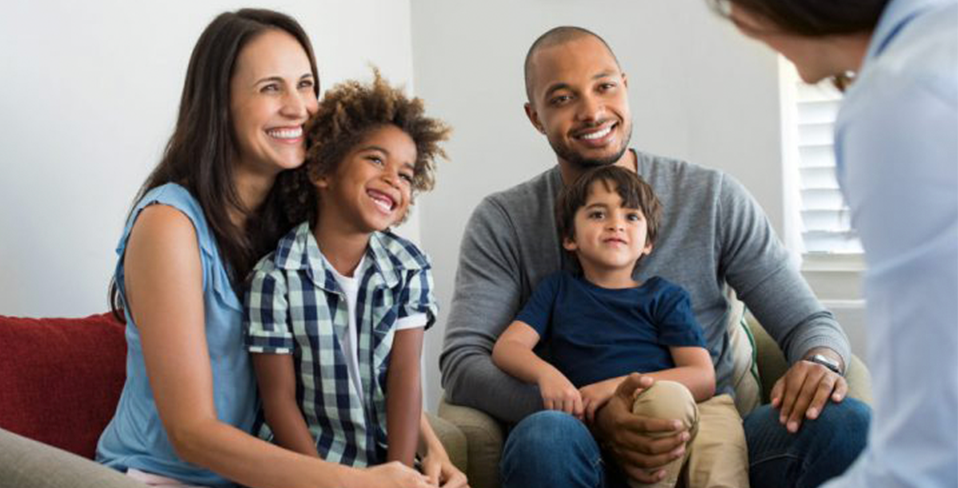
746	379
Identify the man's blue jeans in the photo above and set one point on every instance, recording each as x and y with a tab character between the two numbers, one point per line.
554	449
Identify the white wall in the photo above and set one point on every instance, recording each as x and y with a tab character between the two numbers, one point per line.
90	94
698	91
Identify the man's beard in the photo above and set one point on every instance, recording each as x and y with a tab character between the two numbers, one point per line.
583	163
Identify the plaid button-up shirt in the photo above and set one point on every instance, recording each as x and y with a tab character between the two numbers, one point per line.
294	305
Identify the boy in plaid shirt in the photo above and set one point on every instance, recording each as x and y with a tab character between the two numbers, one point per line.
335	316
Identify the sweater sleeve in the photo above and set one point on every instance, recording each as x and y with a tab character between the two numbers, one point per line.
756	265
486	299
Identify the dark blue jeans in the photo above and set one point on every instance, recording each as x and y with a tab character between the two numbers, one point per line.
554	449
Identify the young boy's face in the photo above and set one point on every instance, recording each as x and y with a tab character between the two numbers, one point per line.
608	236
372	187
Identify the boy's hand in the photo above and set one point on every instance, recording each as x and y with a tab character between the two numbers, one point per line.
558	393
596	395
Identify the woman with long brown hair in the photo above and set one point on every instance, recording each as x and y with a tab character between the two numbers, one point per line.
202	219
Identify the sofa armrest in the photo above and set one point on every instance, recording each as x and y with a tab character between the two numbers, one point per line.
452	439
772	365
484	439
26	463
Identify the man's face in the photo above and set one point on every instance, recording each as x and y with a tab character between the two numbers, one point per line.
580	102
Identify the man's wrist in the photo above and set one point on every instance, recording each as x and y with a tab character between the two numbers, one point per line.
828	358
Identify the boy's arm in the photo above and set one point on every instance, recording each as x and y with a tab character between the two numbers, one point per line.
693	368
404	398
513	354
276	378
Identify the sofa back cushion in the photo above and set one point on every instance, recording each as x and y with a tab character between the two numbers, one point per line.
60	379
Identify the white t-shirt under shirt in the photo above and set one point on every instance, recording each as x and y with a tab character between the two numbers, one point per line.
350	286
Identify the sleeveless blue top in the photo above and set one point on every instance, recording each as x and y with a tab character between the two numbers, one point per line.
135	437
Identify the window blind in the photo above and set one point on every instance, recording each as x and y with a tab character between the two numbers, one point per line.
826	221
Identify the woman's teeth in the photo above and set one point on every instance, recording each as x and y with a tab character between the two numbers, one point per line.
295	133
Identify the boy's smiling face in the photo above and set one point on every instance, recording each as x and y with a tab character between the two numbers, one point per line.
608	236
371	189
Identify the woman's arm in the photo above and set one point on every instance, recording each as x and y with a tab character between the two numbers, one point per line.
404	398
276	379
435	461
165	296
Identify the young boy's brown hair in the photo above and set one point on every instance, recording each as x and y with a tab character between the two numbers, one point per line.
633	190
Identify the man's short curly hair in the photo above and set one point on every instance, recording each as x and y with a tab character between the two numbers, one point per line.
347	114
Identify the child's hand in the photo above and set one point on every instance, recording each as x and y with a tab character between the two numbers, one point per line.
558	393
440	471
596	395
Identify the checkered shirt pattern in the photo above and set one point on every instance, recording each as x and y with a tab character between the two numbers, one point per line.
293	305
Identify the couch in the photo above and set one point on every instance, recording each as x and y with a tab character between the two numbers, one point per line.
60	380
762	365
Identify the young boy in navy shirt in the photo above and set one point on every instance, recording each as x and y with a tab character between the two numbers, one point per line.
600	325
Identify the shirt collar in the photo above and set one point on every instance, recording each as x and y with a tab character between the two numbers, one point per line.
299	251
896	14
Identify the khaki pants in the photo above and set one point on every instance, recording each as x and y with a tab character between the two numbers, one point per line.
716	456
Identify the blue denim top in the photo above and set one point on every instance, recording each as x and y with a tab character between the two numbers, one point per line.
135	437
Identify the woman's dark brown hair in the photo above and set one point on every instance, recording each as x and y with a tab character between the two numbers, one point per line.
201	152
812	18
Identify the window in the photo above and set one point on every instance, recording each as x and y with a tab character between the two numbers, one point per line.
824	221
818	228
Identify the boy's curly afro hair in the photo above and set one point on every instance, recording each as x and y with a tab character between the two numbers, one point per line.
347	113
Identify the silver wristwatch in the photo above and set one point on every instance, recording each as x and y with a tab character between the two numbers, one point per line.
827	362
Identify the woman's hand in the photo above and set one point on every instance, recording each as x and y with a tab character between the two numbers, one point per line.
436	465
440	471
391	475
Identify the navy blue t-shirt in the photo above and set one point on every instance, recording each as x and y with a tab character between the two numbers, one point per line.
595	333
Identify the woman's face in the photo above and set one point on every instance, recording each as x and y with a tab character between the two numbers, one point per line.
271	97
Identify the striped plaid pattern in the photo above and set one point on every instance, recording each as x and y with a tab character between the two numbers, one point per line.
293	305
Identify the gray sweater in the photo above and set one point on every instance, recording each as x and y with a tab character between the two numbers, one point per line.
712	233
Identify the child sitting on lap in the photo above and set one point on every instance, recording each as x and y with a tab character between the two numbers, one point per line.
601	325
335	316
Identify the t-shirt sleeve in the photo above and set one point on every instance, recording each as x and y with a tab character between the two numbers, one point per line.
537	312
675	321
417	298
265	314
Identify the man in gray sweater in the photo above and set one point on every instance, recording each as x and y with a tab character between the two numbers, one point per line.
712	234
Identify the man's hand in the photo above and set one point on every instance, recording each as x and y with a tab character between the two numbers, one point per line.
804	390
596	395
558	393
629	437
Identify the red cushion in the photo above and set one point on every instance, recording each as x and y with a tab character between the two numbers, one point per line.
60	379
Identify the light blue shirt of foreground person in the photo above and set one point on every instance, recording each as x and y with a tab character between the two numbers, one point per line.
897	154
